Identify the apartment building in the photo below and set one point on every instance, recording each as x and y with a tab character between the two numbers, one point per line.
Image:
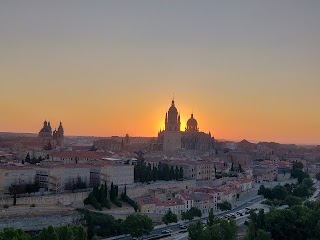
10	174
59	177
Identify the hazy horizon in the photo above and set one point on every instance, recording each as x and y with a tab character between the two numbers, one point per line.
247	70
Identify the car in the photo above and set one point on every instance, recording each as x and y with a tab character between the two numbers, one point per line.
183	226
166	231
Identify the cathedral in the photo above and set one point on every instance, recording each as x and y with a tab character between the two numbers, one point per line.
173	139
55	138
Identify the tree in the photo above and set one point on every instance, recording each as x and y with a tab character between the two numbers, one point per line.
211	218
172	173
181	173
13	234
196	212
166	172
265	192
190	214
80	184
297	222
297	165
28	159
65	233
80	232
292	200
279	192
224	206
220	229
263	235
137	225
318	176
307	182
240	168
299	174
155	174
195	231
48	234
176	173
301	191
169	217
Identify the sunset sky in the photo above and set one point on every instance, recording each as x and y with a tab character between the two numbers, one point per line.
247	69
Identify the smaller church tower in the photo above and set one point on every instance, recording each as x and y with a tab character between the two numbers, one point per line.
60	135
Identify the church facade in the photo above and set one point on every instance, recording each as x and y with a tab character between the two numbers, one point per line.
54	138
172	138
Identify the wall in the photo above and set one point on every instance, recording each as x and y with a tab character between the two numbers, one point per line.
63	199
29	223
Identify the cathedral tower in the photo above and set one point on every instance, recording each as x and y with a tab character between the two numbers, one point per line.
172	120
172	134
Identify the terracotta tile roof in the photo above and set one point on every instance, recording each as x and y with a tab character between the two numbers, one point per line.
186	196
170	202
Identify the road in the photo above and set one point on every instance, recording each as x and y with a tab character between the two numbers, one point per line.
248	201
176	227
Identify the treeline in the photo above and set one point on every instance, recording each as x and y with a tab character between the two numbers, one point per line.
74	185
298	222
215	229
33	160
96	224
125	198
105	225
101	197
145	173
24	188
114	192
98	198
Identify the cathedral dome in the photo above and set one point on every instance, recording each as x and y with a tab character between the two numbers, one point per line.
192	124
192	121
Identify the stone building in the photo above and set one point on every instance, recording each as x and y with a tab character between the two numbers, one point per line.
172	138
107	145
51	138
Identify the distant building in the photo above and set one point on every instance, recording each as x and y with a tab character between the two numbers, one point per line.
55	138
13	175
172	138
107	145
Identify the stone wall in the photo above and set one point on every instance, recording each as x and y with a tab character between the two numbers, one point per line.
55	199
34	223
